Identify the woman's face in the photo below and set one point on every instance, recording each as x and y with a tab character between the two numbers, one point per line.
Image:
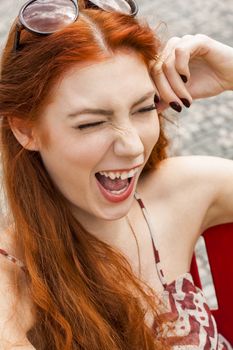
100	124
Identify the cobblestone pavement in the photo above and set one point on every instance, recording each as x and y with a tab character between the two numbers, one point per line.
207	128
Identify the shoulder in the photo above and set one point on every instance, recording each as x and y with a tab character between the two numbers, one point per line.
16	307
176	174
206	180
8	248
7	245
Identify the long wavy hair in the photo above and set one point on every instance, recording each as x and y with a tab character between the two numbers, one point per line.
81	287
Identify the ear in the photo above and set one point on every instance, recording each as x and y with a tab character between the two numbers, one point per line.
24	133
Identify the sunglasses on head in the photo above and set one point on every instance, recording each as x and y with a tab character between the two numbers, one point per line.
45	17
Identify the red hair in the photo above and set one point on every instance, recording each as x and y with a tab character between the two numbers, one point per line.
80	286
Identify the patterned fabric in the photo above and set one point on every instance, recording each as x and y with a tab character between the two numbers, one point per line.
190	324
13	259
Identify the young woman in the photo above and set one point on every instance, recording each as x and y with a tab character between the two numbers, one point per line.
103	223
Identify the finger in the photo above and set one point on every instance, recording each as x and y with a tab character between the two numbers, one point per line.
175	80
169	47
182	53
182	58
162	106
170	85
157	62
187	48
167	95
176	93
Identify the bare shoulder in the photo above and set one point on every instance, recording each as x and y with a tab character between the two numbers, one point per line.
16	308
176	174
206	180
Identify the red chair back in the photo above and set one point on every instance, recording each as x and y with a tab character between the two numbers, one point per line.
219	246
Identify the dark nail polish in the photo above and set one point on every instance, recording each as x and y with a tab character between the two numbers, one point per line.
176	106
156	99
184	78
185	102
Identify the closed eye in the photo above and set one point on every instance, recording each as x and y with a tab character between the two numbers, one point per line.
91	125
148	109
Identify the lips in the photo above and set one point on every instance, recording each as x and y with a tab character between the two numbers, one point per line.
117	196
116	185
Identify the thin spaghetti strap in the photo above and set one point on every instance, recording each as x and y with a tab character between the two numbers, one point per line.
13	259
152	235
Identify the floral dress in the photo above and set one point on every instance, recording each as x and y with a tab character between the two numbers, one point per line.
190	323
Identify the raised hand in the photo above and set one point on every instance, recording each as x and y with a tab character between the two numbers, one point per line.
192	67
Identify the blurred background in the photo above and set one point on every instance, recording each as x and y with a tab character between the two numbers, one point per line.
206	128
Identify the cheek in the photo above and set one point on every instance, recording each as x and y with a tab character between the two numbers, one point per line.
72	162
88	150
72	152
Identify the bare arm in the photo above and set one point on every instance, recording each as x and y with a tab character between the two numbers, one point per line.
209	177
206	67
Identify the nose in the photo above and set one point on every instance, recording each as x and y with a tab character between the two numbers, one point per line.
128	142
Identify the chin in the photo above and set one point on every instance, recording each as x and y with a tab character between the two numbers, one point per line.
120	211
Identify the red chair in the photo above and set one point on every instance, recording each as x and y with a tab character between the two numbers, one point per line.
219	247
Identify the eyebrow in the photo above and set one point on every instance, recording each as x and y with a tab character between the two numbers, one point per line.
108	113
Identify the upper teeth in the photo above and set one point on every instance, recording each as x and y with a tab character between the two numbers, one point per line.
123	175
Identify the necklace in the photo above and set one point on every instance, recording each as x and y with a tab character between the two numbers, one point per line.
135	237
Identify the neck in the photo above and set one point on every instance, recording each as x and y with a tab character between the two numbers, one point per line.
119	234
113	232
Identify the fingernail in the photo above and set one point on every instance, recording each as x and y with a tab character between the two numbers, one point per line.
156	99
185	102
184	78
176	106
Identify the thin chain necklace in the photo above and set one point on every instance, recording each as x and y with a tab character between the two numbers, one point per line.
138	251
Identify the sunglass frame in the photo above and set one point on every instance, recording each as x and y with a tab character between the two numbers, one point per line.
21	24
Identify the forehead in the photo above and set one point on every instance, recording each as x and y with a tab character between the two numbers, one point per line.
124	76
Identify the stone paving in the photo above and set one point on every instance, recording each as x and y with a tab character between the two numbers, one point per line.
207	128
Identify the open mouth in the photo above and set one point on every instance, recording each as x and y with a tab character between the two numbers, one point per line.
114	186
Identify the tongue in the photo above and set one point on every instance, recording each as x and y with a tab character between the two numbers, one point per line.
112	185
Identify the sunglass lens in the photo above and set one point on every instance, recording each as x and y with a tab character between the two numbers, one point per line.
48	16
113	5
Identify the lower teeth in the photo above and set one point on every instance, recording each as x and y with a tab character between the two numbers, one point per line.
120	191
